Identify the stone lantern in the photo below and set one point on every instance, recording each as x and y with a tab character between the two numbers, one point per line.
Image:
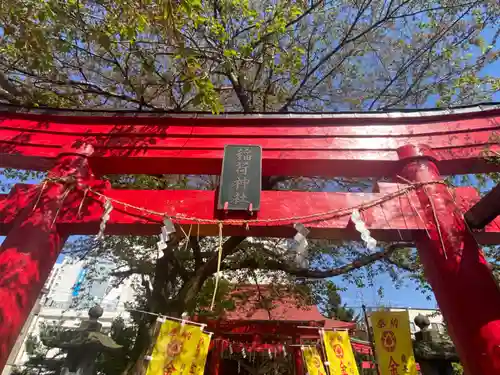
433	351
83	344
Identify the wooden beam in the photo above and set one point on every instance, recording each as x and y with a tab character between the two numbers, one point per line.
484	211
393	220
329	145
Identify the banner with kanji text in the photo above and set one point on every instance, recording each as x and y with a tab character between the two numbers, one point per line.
176	349
313	361
200	358
391	333
339	353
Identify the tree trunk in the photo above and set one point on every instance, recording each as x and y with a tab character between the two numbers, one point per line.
142	348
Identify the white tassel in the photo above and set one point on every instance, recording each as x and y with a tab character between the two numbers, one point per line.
370	242
301	245
167	230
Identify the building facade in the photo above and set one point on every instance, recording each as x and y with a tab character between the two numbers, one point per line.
71	289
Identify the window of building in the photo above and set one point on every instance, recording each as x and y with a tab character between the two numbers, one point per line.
437	327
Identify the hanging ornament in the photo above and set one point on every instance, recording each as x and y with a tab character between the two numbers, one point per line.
370	242
167	230
108	207
284	351
162	245
270	353
230	349
243	352
300	247
167	234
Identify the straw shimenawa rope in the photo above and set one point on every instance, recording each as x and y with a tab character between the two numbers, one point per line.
318	216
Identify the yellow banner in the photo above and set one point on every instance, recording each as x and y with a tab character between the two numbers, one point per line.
198	365
313	361
175	349
391	332
339	353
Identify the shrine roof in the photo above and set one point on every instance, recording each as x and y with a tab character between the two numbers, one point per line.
271	303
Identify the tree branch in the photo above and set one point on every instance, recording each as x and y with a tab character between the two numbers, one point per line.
426	48
389	16
240	91
84	87
228	248
327	57
423	70
289	24
188	293
195	245
10	91
291	269
126	273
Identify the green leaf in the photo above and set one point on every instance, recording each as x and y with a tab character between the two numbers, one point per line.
230	53
186	88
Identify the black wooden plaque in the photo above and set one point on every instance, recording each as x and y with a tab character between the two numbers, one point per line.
241	178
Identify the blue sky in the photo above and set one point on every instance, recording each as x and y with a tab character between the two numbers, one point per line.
405	296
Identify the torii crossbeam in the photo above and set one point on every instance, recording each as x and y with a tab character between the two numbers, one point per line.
78	147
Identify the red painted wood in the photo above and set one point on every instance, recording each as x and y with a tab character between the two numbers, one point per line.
306	145
298	358
388	224
215	358
159	142
308	128
467	293
30	249
289	163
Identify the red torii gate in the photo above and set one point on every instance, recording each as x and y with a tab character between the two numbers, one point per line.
77	147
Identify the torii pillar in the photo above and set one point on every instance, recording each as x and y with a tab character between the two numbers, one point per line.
32	246
455	266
